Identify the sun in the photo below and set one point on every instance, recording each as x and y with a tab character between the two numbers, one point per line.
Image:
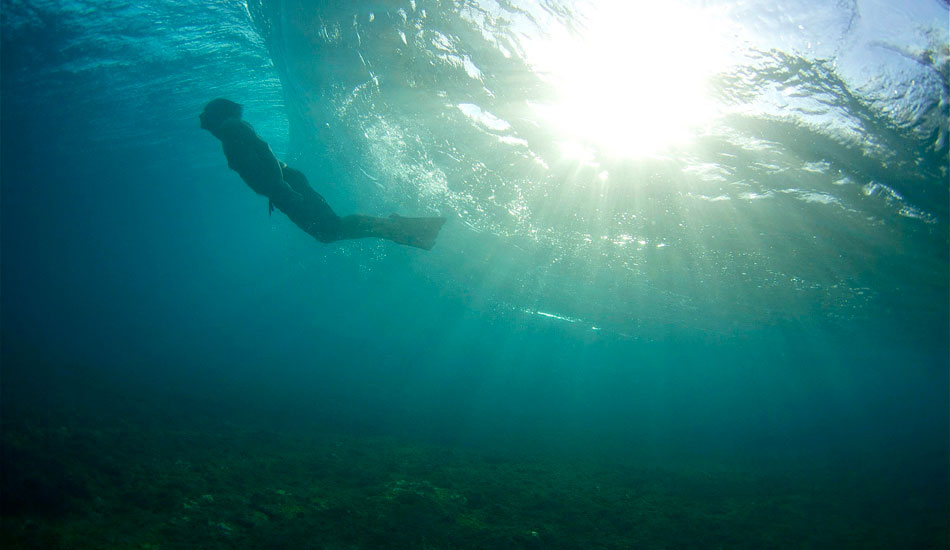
635	80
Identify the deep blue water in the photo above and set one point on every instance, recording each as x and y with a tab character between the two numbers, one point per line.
773	285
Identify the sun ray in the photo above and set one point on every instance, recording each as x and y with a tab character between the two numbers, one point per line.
634	81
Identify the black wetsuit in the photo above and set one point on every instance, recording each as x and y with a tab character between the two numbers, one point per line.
288	190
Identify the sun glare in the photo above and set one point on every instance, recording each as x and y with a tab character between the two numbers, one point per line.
635	81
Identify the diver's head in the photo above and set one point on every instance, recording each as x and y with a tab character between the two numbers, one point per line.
217	111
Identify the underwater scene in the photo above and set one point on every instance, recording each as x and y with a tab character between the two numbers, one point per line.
474	274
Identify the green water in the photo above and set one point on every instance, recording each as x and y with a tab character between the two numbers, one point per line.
692	291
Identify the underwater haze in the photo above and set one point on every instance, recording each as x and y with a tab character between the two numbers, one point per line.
693	290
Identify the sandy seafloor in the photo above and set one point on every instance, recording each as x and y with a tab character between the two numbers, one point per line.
106	471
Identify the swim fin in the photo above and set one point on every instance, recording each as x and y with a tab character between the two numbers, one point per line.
417	232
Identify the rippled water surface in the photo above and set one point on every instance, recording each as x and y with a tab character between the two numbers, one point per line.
706	165
709	165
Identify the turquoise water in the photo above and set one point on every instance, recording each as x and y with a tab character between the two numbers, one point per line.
706	236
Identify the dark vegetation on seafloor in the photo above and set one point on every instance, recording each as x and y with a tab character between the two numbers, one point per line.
129	472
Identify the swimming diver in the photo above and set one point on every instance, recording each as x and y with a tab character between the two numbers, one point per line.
288	190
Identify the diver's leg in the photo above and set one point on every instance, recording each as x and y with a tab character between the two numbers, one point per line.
318	219
418	232
297	181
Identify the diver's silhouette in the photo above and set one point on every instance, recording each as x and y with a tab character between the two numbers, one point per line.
288	191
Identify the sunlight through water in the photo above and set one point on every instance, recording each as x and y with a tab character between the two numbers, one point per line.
633	80
696	163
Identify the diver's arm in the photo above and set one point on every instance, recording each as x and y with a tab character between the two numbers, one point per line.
297	181
252	158
269	159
